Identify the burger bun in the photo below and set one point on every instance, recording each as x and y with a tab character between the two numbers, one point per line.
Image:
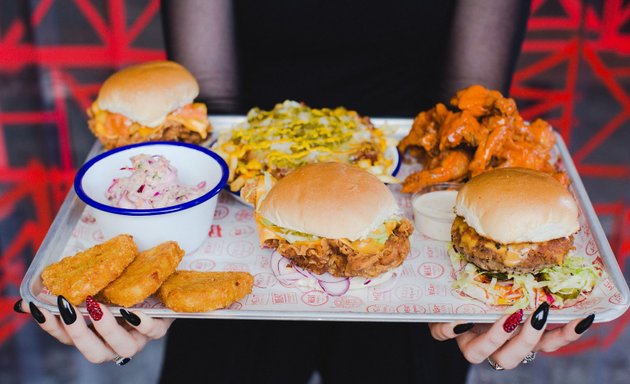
148	92
331	200
517	205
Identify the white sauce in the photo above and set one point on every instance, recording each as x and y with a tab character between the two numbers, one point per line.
434	214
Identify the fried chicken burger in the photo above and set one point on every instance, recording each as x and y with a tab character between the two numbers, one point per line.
149	102
512	240
335	218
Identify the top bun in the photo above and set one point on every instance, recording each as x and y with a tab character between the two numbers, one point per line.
147	92
516	205
331	200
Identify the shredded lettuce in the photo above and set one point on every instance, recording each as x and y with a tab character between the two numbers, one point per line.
287	234
569	280
575	276
380	234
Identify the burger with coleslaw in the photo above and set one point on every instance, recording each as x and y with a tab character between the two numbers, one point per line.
512	241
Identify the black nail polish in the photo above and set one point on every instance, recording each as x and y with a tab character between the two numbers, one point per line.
131	318
585	324
124	361
68	315
17	307
461	328
539	317
37	314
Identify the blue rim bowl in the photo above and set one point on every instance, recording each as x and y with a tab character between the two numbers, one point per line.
78	181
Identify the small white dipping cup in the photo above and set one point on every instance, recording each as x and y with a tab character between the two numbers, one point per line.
187	223
433	211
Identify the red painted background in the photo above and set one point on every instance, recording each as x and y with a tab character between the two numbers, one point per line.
572	48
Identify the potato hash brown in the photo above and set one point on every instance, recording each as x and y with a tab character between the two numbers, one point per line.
191	291
144	275
88	272
116	273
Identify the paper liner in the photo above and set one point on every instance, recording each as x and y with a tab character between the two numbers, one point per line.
423	285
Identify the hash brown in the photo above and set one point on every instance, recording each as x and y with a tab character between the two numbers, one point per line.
192	291
88	272
144	275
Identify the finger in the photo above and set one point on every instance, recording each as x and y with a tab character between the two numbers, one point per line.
48	322
86	341
148	326
559	337
446	331
514	351
114	335
477	348
141	340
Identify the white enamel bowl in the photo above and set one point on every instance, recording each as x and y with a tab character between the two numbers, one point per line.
187	223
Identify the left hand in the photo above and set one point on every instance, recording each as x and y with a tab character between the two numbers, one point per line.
506	342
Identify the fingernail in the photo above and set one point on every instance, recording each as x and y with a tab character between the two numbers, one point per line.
124	361
512	322
17	307
461	328
131	318
68	315
37	314
585	324
95	311
539	317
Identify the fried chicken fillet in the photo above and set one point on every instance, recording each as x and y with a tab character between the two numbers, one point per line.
88	272
339	258
334	218
191	291
144	275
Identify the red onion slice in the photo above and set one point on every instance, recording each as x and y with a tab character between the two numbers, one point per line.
328	278
288	274
283	270
337	288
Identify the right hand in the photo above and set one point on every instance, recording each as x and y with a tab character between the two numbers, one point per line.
122	337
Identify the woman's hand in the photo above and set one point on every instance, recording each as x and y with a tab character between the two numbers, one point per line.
107	338
506	343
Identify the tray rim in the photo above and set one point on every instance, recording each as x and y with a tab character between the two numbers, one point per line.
72	208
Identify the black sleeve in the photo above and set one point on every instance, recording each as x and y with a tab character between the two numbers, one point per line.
484	45
199	34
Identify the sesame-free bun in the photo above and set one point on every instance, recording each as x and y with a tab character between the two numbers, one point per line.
147	92
515	205
331	200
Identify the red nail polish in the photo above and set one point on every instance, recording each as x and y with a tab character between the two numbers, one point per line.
513	321
93	309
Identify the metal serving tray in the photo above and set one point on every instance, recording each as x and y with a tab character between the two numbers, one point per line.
421	291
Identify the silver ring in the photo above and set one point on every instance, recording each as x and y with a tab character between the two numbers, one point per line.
529	358
495	366
119	360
